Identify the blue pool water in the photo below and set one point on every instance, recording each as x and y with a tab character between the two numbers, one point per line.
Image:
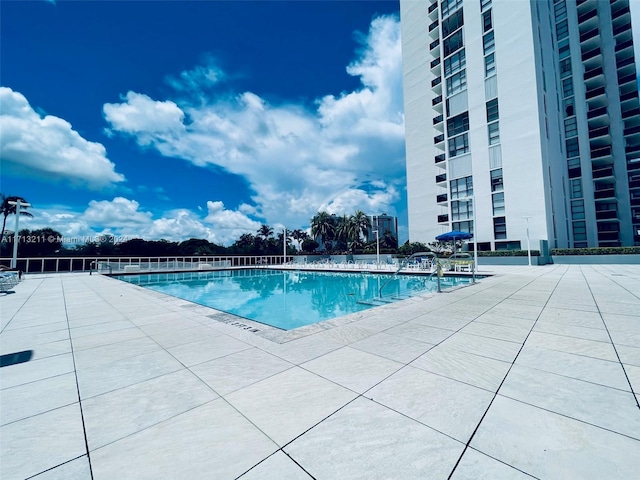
287	299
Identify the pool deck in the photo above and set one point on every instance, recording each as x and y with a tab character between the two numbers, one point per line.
533	372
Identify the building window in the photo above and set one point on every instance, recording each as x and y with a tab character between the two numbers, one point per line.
567	87
490	65
564	50
454	43
576	188
453	23
487	24
500	228
461	187
454	63
494	133
449	6
508	245
579	231
560	9
573	149
496	180
492	110
463	226
573	165
458	124
562	29
577	209
571	127
498	203
461	211
456	83
488	43
569	111
565	67
459	145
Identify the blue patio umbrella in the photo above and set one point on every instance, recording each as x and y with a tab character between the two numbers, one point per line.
453	236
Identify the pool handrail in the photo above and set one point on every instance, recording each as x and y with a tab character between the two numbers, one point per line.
406	261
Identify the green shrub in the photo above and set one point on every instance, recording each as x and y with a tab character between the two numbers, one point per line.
596	251
507	253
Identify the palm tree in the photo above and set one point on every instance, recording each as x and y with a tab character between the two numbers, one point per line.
299	236
362	222
7	209
265	231
322	225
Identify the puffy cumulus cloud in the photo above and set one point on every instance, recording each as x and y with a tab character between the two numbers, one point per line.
125	217
150	121
120	212
295	159
48	147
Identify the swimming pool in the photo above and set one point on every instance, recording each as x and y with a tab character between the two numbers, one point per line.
287	299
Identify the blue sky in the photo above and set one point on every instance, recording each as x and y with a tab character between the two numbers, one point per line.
161	119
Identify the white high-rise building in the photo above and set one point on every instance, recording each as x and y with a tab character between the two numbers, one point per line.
522	115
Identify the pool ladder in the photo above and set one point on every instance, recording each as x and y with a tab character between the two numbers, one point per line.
437	272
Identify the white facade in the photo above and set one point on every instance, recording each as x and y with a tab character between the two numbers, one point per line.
501	99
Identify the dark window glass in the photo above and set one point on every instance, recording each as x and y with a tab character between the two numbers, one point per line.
500	228
454	43
492	110
496	180
487	24
452	23
458	124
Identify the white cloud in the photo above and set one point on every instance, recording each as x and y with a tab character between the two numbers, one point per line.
48	147
347	153
124	217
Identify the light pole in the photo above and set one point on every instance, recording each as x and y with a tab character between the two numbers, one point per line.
528	241
284	248
472	199
18	204
377	232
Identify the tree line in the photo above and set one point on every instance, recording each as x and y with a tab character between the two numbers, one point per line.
330	234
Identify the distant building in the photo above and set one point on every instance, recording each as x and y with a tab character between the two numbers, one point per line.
382	223
522	119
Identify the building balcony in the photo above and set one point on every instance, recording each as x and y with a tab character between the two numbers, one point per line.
599	132
625	61
593	53
440	158
442	198
630	113
624	79
604	194
593	73
436	101
603	172
596	112
441	178
437	120
436	81
589	34
634	183
619	12
595	92
623	45
588	18
622	29
609	237
433	7
607	215
631	130
434	44
443	218
435	63
601	152
438	139
433	26
633	95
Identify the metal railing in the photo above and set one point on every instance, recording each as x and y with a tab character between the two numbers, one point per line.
108	265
